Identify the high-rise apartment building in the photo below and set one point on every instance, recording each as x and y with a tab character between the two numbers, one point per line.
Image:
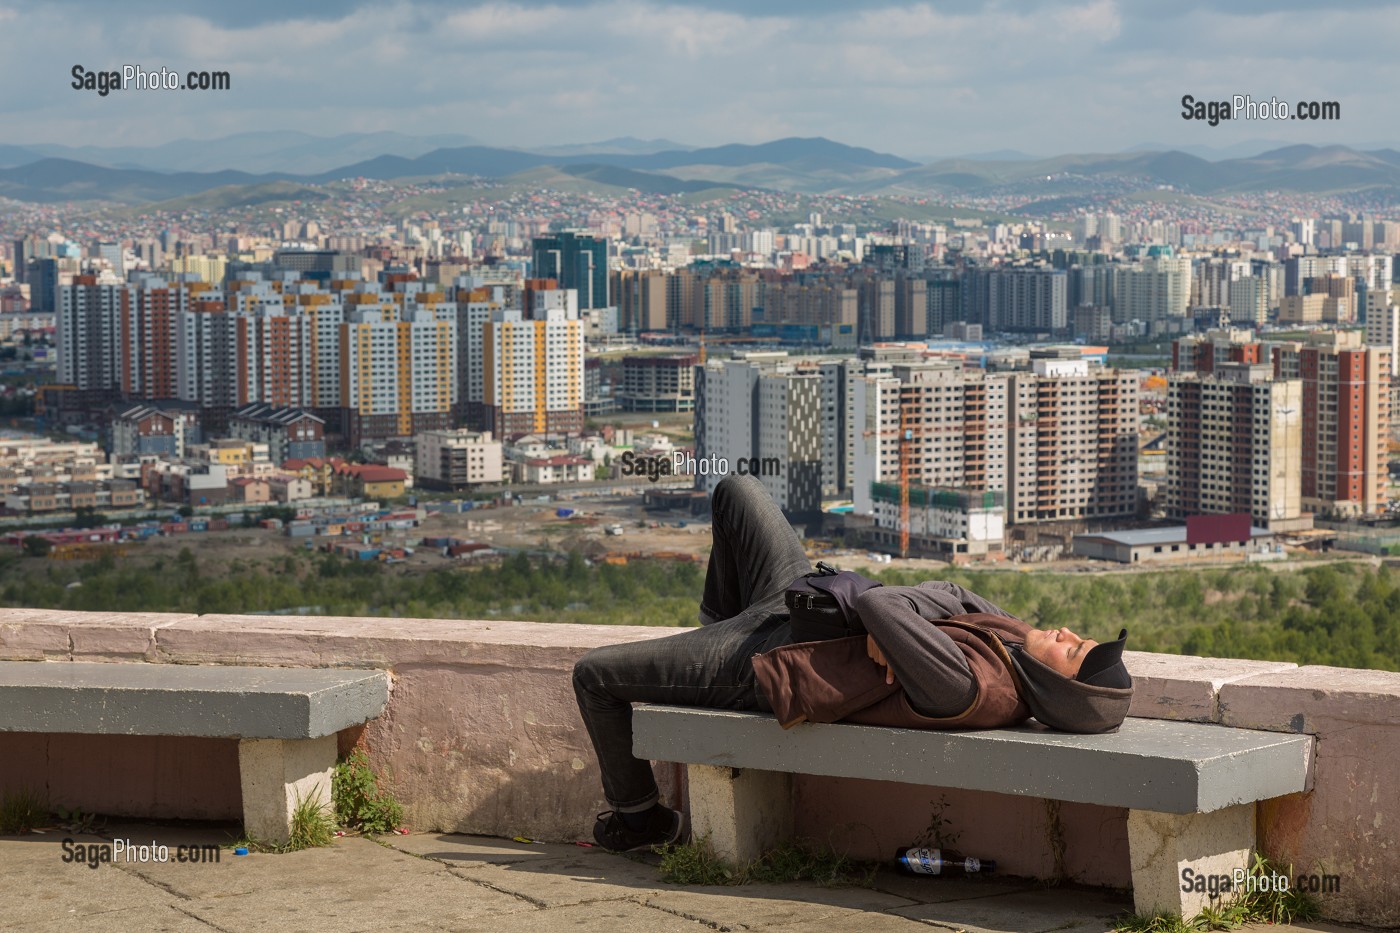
1059	442
1017	299
876	308
1249	302
532	368
575	260
658	383
1073	434
1156	289
943	299
949	424
88	330
818	312
641	299
761	413
1233	436
475	305
397	376
1383	324
46	276
274	363
1212	279
1344	458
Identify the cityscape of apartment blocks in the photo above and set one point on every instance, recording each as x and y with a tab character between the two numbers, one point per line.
1099	276
377	360
423	331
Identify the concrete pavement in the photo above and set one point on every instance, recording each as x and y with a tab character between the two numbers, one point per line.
431	881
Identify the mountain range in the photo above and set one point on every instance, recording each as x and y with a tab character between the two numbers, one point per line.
804	165
296	153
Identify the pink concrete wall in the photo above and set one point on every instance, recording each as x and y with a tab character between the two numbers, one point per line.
482	735
1348	825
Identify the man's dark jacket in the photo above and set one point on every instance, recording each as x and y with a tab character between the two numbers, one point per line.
835	680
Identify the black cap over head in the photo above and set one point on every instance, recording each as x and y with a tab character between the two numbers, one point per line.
1103	665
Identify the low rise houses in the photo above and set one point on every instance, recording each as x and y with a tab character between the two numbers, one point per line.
289	433
185	483
38	476
336	477
559	468
144	431
41	498
534	461
287	489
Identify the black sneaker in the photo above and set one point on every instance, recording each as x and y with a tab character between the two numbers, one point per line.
663	825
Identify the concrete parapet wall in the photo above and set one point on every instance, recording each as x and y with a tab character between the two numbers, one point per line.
482	735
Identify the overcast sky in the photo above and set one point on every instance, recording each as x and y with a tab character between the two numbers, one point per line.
913	79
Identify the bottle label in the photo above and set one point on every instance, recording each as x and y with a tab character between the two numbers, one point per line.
924	861
972	864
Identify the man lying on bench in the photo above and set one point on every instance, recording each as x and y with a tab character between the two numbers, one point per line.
936	656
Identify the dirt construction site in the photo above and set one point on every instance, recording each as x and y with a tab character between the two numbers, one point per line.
603	528
611	528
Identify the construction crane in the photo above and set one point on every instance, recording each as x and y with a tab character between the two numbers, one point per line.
905	438
906	441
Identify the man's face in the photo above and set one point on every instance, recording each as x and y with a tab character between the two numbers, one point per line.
1060	649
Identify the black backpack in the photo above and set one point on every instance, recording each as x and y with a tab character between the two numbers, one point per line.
822	604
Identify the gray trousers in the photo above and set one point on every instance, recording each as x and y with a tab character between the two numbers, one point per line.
755	557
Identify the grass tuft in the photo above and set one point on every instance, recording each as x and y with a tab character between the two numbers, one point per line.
312	827
696	863
21	811
1155	923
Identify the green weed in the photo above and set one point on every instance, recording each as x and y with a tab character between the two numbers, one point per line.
360	803
76	821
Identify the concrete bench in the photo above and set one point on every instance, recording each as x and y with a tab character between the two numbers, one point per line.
285	719
1190	788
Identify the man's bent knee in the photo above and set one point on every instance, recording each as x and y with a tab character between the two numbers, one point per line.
735	488
588	670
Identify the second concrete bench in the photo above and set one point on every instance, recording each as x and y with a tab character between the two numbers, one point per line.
1190	788
285	719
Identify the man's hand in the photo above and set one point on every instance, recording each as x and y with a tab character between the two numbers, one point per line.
878	656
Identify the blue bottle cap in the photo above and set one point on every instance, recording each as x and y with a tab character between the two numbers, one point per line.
241	850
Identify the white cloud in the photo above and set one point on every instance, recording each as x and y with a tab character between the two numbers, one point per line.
1053	76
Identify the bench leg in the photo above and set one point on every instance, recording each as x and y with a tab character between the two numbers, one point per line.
743	812
275	774
1163	847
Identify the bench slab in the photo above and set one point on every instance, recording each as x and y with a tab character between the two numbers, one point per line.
1190	788
1149	764
180	699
